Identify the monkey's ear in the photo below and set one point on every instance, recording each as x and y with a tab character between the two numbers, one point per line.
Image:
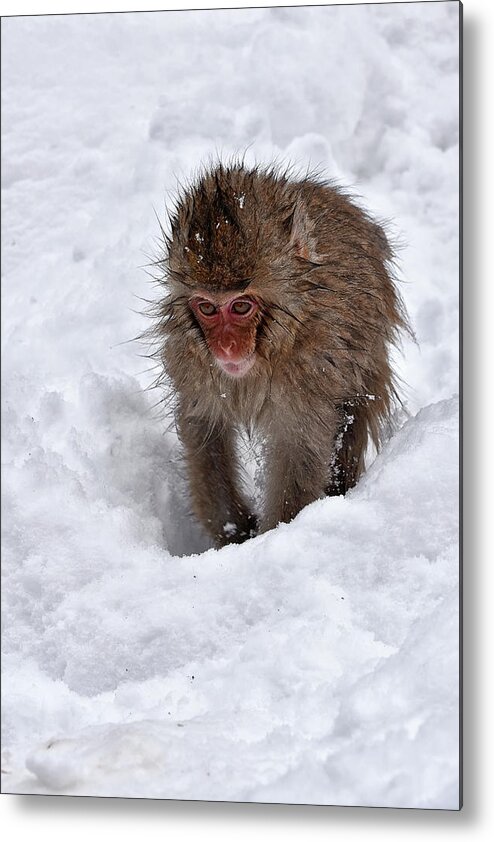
301	240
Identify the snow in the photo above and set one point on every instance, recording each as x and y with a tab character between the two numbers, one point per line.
317	663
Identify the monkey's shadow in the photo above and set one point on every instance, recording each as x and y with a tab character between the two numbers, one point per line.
182	533
140	465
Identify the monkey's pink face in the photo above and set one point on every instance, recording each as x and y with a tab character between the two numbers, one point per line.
229	325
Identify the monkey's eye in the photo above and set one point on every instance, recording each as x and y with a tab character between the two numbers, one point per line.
241	307
206	308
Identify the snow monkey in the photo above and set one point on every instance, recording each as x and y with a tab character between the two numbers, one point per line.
278	316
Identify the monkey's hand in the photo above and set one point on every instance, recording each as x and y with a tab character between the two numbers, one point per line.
238	531
215	481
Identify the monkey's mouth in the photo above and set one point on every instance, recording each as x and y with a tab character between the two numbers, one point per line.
239	368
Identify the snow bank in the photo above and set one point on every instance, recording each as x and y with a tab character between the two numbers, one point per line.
317	663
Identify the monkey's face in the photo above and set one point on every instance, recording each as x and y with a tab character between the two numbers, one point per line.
229	325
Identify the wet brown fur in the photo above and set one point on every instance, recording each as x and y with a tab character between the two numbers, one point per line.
322	386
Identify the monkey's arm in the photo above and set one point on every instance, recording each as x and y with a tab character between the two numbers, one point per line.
214	481
297	475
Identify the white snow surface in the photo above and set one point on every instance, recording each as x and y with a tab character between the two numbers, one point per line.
317	663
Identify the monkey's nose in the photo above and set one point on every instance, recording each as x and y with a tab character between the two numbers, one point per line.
228	345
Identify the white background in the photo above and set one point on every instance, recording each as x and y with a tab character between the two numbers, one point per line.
56	817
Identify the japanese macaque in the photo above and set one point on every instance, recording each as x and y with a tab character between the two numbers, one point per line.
279	312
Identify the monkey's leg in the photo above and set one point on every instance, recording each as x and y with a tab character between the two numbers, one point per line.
297	475
348	458
214	482
347	461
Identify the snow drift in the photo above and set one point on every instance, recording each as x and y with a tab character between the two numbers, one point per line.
317	663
